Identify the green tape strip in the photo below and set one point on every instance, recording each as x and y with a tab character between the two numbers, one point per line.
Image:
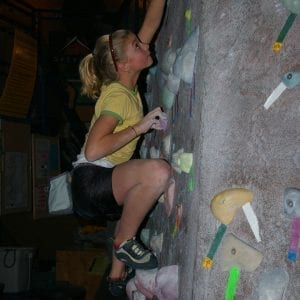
234	275
288	24
191	182
217	241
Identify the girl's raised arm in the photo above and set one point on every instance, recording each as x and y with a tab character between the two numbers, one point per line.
152	20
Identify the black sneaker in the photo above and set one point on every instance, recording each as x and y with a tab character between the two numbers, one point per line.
117	287
135	256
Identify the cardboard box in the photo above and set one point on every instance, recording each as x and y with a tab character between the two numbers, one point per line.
85	268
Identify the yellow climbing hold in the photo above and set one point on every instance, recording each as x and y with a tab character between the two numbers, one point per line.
277	47
188	14
207	263
188	17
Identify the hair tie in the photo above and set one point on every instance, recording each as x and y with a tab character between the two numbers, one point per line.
112	51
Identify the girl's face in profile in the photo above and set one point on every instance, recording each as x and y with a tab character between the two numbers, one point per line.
138	54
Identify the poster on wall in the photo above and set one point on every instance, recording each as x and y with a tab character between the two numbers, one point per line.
46	164
17	93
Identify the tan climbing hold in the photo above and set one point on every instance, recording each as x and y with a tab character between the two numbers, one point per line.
236	253
225	204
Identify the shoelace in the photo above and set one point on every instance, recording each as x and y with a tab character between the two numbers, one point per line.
138	249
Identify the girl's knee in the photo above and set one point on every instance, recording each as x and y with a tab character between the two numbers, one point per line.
160	169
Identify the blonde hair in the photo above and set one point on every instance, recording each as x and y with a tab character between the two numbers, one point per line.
98	68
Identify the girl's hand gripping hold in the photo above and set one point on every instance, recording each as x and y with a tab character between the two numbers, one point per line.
155	119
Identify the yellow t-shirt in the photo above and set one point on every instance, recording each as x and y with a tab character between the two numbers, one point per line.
126	106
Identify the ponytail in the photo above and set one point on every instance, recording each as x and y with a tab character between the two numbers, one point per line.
91	85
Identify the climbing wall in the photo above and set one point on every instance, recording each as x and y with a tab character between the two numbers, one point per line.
233	227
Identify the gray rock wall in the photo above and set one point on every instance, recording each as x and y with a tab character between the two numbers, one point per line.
235	141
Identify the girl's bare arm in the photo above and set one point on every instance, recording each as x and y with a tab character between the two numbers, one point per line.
152	20
102	141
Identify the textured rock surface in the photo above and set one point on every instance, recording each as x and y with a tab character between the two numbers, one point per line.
234	140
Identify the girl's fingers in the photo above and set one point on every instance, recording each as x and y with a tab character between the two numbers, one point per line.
155	119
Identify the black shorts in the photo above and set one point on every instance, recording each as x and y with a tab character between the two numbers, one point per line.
92	194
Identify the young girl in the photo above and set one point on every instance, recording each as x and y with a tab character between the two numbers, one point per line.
105	181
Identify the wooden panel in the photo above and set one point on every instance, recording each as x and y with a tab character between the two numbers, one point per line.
78	268
17	94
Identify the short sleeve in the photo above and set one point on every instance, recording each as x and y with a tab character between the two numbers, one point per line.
115	105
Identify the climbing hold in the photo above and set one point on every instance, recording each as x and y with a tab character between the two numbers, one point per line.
237	256
226	203
288	81
166	145
178	218
292	5
132	292
145	282
235	252
167	283
224	207
188	18
154	284
156	242
207	263
168	60
167	98
185	61
182	161
292	209
292	202
272	284
154	152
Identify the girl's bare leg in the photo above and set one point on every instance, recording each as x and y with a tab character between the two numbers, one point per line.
137	184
